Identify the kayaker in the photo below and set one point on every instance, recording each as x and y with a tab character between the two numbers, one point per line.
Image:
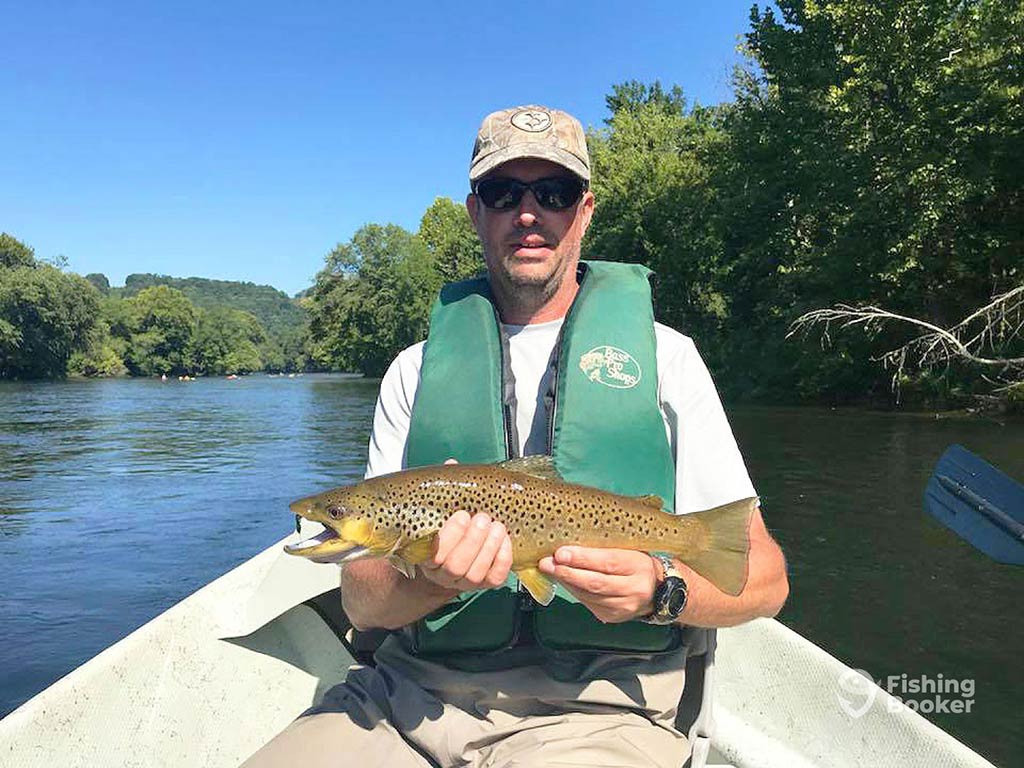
544	355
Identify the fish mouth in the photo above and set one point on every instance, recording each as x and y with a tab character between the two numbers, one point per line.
326	547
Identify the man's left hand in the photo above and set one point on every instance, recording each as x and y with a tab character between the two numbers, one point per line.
615	584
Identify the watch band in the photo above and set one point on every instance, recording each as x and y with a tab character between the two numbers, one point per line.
668	566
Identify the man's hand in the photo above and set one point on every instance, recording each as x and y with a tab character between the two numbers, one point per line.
615	584
472	553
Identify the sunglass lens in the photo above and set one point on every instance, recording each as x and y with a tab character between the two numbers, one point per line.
500	193
558	193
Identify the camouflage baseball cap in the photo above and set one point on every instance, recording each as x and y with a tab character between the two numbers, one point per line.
531	131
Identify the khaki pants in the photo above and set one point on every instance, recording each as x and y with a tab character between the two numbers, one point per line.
412	712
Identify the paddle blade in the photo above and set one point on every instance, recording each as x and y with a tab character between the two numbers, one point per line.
979	503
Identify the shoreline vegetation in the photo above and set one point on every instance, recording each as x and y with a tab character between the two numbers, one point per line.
867	173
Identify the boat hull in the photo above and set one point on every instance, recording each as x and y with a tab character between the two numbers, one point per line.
215	677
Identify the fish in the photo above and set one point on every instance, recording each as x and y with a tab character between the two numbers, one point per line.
397	516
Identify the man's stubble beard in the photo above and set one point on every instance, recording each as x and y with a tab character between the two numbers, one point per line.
528	293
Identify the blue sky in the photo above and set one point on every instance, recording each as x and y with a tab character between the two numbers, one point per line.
242	141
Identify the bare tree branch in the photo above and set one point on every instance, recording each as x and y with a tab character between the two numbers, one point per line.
974	339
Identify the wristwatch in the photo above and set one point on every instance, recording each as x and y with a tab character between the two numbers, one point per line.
669	595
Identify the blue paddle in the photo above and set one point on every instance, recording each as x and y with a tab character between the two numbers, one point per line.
979	503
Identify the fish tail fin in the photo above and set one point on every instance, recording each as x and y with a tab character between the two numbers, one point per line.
722	559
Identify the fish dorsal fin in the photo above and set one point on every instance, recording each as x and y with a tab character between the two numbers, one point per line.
538	466
652	501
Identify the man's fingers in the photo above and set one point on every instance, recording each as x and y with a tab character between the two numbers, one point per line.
619	562
484	560
502	564
460	559
449	536
593	583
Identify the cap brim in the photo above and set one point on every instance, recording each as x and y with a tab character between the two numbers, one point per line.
539	151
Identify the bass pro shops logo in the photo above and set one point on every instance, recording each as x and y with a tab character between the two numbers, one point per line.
611	366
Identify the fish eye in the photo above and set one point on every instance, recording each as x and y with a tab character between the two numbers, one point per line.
334	512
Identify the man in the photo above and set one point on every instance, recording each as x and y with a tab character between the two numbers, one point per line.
481	675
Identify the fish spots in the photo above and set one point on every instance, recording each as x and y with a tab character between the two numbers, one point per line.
539	514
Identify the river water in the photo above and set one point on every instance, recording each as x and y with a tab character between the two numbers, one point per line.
119	498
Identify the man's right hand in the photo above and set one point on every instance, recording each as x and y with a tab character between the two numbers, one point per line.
472	553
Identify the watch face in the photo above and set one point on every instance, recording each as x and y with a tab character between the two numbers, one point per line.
676	601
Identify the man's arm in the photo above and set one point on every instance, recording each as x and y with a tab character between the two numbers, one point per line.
618	584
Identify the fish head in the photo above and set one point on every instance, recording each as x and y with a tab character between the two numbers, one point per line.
349	516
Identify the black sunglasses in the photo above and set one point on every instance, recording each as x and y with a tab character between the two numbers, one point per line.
555	194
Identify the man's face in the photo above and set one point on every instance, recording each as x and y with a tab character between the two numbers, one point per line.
529	248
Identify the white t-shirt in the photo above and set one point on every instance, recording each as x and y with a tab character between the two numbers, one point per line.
709	468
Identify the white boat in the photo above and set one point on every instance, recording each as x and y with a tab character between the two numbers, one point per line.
216	676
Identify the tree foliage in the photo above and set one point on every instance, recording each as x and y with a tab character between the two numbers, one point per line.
449	237
872	156
99	281
227	341
158	328
46	315
14	253
651	168
283	320
371	299
53	324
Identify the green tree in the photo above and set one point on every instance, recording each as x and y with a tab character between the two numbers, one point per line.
102	355
14	253
45	314
278	314
160	323
448	234
874	157
652	165
371	299
227	341
100	281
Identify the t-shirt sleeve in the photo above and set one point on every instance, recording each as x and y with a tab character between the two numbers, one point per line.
709	468
393	413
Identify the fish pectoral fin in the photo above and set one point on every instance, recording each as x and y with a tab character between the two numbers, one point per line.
406	569
652	501
537	584
418	550
538	466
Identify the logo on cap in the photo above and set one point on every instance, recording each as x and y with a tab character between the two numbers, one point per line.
531	120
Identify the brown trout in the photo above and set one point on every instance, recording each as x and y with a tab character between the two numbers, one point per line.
397	516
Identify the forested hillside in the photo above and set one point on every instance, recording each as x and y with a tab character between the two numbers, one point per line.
280	315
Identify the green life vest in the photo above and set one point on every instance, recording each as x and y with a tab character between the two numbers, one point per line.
605	430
